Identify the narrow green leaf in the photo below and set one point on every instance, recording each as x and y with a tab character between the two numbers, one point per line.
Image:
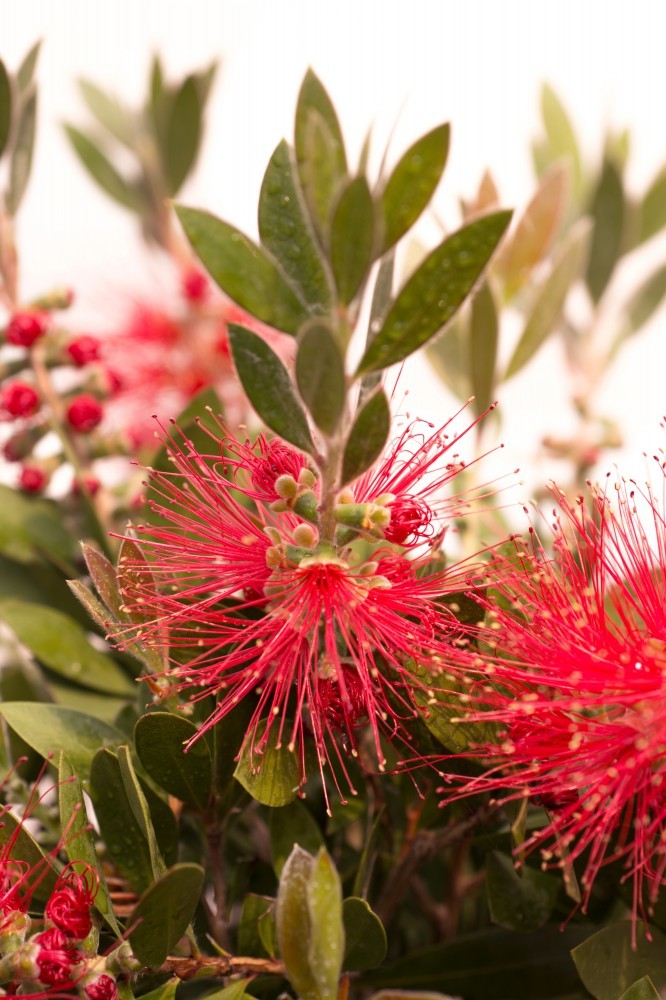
32	528
109	112
642	989
50	728
80	842
641	306
268	387
320	150
26	850
160	739
139	806
653	208
379	307
167	991
236	990
243	270
157	109
183	134
257	910
608	964
483	341
22	149
367	436
352	238
5	107
413	182
267	771
320	374
520	901
103	574
560	132
291	825
205	80
286	232
26	70
327	933
607	211
294	924
365	936
163	914
122	834
62	645
551	297
537	228
435	292
102	170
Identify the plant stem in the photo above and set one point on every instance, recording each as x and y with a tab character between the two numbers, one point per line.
222	965
218	918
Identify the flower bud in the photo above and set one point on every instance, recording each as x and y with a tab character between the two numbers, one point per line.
83	350
19	399
102	987
84	413
286	487
306	536
32	479
25	328
56	958
194	285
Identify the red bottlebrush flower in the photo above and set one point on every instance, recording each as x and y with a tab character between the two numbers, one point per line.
410	478
69	904
84	413
84	350
32	479
577	687
194	285
19	399
25	328
323	638
102	988
57	959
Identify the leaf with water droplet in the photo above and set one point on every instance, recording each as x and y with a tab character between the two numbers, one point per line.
320	150
269	387
320	374
367	437
352	238
245	271
267	771
412	183
435	292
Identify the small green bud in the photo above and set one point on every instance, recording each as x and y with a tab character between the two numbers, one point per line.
307	478
306	506
286	487
306	536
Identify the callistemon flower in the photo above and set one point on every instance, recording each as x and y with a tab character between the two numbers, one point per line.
321	636
573	671
69	904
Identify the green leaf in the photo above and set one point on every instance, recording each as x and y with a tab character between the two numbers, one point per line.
641	306
102	170
320	149
160	739
560	132
608	963
642	989
607	211
268	387
286	232
49	728
25	849
109	112
437	699
551	297
167	991
268	772
164	912
365	936
367	437
139	806
62	645
257	910
80	842
120	830
327	933
483	340
5	107
22	149
435	291
489	965
26	70
537	228
413	182
243	270
103	574
519	901
320	374
653	208
291	825
32	528
183	134
236	990
379	307
205	80
352	238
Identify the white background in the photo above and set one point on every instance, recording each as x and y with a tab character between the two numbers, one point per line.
476	63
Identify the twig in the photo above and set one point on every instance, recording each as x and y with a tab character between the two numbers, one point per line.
222	965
